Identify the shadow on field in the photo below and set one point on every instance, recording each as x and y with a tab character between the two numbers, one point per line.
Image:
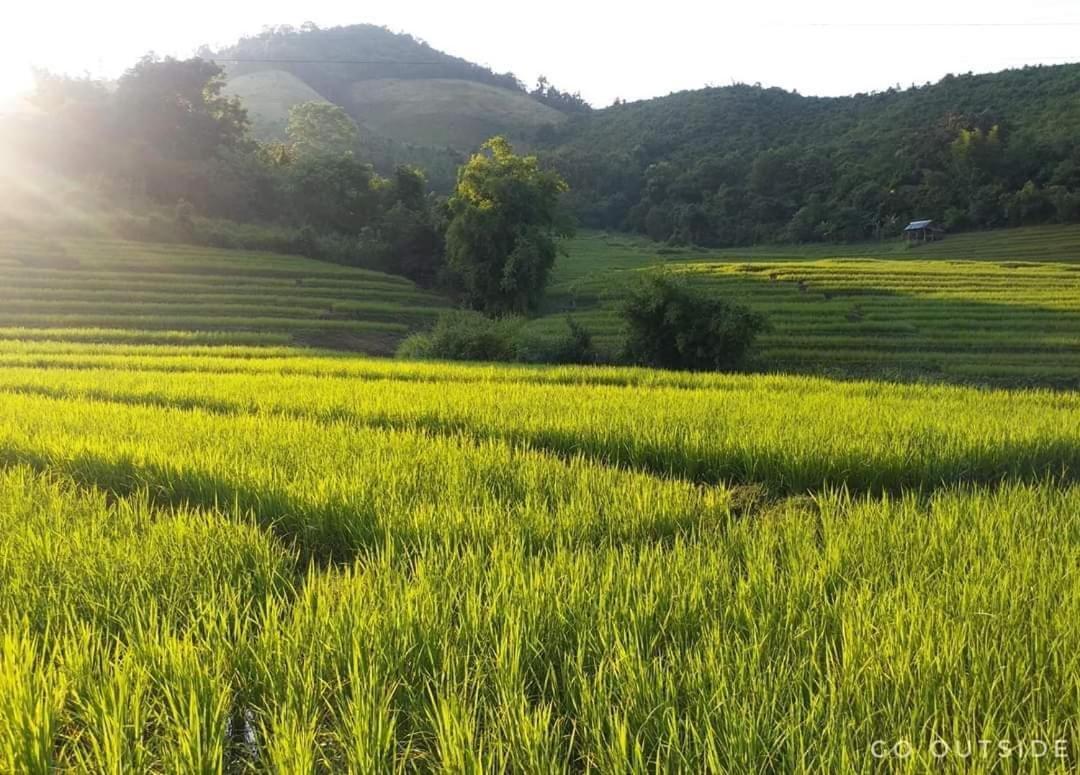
348	341
169	488
928	462
334	532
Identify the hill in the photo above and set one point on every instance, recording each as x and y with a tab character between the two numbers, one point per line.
393	84
743	164
444	111
268	95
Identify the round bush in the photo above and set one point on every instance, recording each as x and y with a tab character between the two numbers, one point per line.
671	325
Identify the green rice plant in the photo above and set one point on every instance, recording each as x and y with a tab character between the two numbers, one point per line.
114	727
791	642
31	706
212	295
499	621
118	627
788	434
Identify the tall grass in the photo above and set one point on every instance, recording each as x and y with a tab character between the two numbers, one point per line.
118	627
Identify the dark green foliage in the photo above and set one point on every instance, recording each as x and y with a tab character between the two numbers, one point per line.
461	335
440	165
742	164
575	345
332	193
321	129
174	109
547	93
672	325
504	229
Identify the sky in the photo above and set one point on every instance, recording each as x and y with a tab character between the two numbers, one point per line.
605	50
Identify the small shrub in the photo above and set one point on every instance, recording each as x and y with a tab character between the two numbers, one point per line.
465	336
673	326
470	336
575	345
415	347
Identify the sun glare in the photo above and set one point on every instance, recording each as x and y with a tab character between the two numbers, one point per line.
15	79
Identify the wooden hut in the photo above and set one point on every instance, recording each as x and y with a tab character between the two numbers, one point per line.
922	231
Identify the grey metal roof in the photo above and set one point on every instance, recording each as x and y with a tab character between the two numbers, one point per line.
917	225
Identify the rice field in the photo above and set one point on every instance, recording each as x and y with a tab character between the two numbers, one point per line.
257	558
115	291
221	552
996	308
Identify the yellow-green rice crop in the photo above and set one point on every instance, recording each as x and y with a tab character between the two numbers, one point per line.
234	559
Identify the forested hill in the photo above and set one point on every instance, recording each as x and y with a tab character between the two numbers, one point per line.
365	51
394	85
743	164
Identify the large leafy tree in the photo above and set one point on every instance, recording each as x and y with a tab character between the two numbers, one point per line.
333	194
504	229
321	129
176	109
72	126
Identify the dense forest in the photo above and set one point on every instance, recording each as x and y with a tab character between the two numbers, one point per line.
744	164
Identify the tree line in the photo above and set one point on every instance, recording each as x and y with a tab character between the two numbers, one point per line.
743	164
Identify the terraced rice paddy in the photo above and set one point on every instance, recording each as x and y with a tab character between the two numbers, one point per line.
961	320
104	290
220	552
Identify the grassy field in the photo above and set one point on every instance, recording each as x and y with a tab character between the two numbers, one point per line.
268	96
232	558
443	112
221	552
997	307
111	290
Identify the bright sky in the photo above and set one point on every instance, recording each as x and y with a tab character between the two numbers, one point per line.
604	49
